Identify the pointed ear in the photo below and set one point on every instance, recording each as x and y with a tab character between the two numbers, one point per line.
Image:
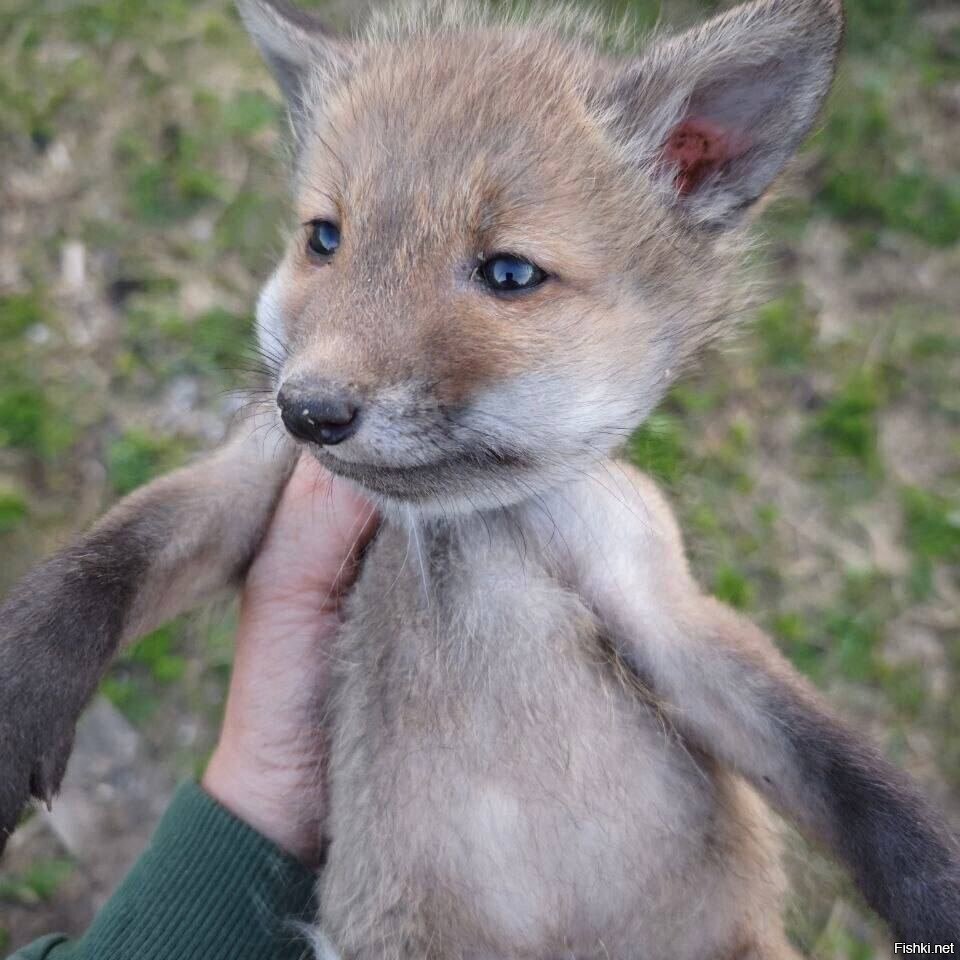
296	47
717	112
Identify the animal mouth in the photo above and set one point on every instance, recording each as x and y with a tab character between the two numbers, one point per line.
416	482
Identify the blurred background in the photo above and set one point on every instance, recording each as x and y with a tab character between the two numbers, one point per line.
815	461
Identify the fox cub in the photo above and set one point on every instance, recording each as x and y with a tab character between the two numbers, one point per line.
546	741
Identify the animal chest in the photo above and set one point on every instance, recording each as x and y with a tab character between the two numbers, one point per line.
491	774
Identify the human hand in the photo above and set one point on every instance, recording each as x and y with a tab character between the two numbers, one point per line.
266	768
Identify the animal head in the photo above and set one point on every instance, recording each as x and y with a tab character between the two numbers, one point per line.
510	235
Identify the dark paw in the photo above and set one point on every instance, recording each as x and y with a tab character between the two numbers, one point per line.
32	765
59	628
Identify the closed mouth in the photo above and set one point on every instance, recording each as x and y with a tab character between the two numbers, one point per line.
417	481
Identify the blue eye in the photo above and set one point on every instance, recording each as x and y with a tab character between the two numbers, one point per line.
324	238
504	271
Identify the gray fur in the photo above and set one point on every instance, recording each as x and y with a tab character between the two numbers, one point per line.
160	551
545	740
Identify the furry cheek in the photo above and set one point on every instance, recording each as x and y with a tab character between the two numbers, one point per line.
270	327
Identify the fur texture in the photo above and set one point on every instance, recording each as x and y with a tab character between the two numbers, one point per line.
545	740
162	550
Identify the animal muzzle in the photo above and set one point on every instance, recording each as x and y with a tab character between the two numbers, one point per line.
319	412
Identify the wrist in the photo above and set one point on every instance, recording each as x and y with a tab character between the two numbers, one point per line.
281	805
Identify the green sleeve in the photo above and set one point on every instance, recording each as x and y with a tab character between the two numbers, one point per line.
208	886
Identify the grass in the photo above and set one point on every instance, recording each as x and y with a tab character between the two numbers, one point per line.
136	684
136	457
38	884
815	464
874	173
658	447
932	533
733	586
847	423
786	331
14	510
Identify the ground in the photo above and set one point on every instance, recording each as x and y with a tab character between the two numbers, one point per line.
814	461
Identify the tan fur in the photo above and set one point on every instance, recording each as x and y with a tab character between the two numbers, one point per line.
534	160
495	790
543	732
212	536
546	742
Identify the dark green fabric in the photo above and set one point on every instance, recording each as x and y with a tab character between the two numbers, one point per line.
208	886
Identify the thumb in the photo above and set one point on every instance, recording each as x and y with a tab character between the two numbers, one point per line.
320	526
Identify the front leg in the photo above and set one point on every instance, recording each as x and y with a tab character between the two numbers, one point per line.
737	698
157	553
729	692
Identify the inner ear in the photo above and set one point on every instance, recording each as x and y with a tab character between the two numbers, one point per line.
698	150
721	108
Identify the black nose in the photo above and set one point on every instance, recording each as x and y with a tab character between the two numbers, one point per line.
318	413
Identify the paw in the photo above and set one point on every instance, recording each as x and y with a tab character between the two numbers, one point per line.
34	750
59	628
47	674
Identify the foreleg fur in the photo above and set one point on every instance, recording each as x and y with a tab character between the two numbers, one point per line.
160	551
730	693
773	728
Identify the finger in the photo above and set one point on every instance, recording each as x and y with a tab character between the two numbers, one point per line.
320	526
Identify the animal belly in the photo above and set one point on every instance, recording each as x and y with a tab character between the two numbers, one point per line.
559	852
496	788
540	821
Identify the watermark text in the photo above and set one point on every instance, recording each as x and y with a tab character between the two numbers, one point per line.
931	948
